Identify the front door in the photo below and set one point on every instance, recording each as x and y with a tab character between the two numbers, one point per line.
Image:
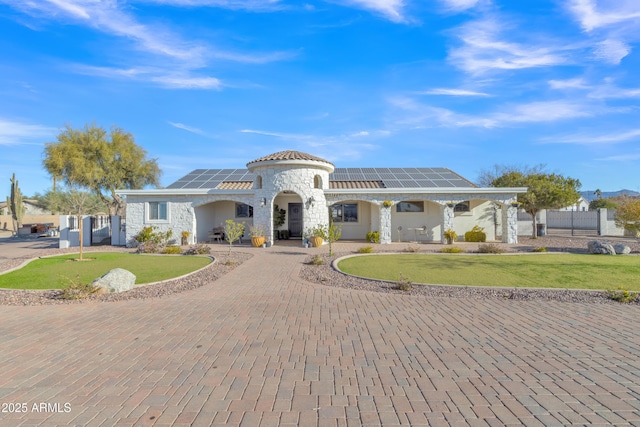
295	219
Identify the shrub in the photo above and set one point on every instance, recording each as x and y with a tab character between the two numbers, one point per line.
373	237
539	249
365	250
148	248
78	290
412	249
452	250
172	250
151	235
622	295
490	248
200	249
450	235
317	260
476	234
404	283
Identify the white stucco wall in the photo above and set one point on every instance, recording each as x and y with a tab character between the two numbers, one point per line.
358	230
431	218
215	214
480	213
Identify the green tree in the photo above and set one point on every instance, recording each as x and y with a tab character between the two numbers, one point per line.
544	191
602	203
62	202
100	162
233	231
628	214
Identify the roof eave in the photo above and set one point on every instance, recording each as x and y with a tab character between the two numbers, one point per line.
181	192
448	190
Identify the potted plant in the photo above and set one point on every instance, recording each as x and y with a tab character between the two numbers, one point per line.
184	238
317	235
450	236
257	235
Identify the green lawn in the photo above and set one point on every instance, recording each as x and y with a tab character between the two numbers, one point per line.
52	273
540	271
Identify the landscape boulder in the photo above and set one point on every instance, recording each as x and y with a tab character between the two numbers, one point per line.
116	280
600	247
622	249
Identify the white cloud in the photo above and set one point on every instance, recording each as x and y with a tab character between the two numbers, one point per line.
460	5
587	139
175	57
188	82
331	147
390	9
483	49
611	51
605	13
163	77
453	92
577	83
187	128
252	5
423	115
610	90
17	133
544	111
622	158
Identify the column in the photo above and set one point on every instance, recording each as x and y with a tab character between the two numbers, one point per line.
509	224
385	224
447	221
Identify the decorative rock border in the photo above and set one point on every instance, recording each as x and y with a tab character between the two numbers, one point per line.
216	269
327	275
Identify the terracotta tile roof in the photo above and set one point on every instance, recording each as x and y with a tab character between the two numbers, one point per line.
235	185
356	184
289	155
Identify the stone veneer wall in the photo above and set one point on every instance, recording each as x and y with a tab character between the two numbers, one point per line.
277	178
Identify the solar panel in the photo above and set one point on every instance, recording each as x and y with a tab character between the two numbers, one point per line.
390	177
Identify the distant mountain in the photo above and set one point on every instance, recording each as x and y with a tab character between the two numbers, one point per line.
589	195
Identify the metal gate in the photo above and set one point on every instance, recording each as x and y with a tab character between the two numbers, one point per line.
100	230
576	222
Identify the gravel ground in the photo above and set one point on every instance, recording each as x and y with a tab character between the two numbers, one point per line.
223	263
325	274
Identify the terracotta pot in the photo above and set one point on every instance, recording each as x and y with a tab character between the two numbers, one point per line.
316	241
257	241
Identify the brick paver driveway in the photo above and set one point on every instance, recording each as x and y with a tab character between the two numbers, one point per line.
262	347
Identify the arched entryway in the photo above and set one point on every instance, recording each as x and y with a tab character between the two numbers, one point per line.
290	223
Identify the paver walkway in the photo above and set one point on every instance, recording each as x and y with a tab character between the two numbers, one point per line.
260	347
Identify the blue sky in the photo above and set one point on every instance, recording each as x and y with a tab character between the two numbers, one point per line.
463	84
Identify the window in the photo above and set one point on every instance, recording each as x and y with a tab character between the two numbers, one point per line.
158	211
244	211
410	207
317	181
462	207
258	184
344	212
